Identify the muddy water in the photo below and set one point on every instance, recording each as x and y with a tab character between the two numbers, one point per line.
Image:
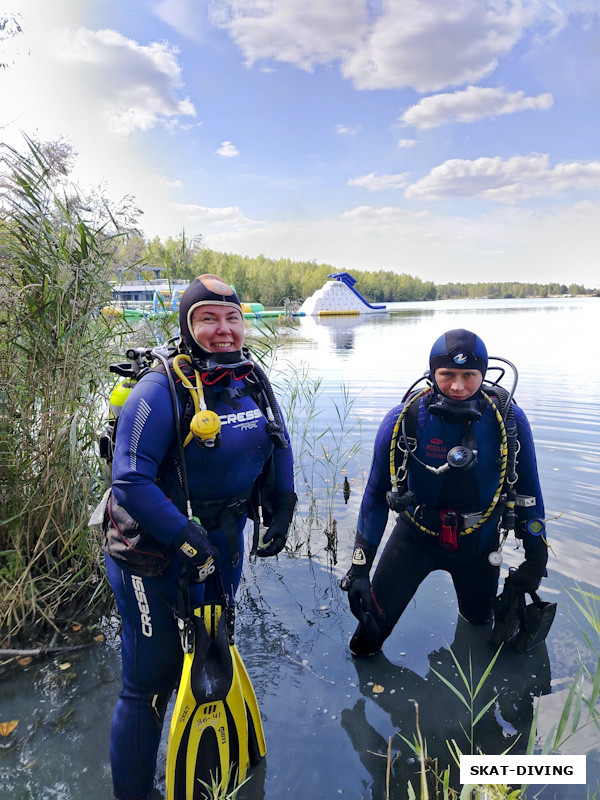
327	730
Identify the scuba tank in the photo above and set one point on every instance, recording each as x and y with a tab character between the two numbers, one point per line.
141	360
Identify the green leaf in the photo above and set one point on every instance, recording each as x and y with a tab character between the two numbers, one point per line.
595	686
533	730
577	711
548	742
461	671
484	709
564	717
485	675
452	687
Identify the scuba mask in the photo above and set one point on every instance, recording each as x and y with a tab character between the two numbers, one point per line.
213	367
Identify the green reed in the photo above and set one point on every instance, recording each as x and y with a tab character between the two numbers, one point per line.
580	710
322	453
54	355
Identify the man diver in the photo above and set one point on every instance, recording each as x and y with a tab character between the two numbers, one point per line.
149	533
443	459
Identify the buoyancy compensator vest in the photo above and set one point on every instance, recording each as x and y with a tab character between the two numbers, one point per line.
197	422
462	457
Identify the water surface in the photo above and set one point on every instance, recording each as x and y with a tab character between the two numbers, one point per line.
326	729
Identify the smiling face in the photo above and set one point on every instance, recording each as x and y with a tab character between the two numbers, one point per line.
218	328
458	384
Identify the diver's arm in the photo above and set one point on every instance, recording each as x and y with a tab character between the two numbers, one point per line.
372	519
284	466
374	510
530	518
146	430
283	501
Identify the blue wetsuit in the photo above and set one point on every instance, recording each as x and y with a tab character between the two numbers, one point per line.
412	553
144	570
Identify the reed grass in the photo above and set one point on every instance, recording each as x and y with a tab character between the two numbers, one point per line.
322	454
579	712
219	789
54	355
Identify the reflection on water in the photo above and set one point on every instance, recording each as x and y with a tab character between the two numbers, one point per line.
321	716
513	683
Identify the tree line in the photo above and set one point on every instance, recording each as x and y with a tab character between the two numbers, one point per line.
274	281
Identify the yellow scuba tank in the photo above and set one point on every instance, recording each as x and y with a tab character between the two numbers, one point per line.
118	396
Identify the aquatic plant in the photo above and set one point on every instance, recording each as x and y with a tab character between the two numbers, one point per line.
578	712
321	453
218	789
54	352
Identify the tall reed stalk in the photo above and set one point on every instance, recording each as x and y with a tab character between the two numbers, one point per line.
321	452
54	351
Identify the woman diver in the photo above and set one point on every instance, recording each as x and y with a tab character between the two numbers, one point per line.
150	527
446	460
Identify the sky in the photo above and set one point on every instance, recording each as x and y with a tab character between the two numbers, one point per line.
453	140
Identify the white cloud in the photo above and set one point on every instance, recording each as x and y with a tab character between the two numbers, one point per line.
186	17
407	144
348	130
504	180
96	88
227	150
413	44
203	215
506	244
404	43
300	32
377	183
471	104
133	85
169	184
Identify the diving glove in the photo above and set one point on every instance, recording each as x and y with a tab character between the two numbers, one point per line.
524	578
356	581
274	539
199	553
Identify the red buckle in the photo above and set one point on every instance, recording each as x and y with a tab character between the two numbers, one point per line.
449	532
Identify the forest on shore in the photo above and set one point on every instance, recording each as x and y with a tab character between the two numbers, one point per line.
272	282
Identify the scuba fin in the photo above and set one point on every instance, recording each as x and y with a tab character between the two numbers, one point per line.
216	728
257	747
535	621
506	616
523	626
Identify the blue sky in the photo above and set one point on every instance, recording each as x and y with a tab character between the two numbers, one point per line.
449	139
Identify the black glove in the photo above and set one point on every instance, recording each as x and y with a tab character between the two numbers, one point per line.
356	581
524	578
197	551
275	537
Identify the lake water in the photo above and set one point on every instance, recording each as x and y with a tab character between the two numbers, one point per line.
327	731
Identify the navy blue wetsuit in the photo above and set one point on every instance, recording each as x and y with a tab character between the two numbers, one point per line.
411	553
144	577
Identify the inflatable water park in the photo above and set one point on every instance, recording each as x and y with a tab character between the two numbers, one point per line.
337	297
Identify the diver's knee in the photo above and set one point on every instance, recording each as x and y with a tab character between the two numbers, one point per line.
158	702
476	617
